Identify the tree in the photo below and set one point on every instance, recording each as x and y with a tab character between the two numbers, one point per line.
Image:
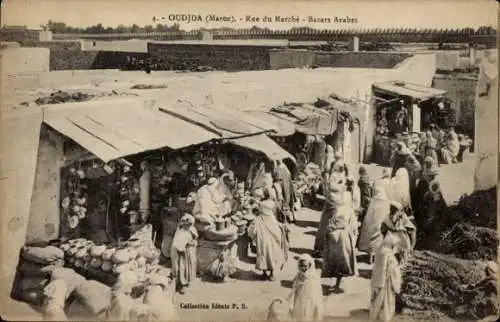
148	28
134	28
121	29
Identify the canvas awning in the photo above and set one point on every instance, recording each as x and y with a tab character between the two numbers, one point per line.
225	123
117	128
262	143
283	127
414	91
308	119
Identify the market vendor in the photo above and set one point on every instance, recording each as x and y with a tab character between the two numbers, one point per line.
209	201
399	124
256	174
226	185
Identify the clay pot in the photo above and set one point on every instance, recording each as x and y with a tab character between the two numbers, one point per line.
220	224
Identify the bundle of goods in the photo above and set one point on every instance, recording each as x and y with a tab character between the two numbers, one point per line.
63	97
309	180
435	283
411	140
204	164
74	205
129	192
469	242
35	268
107	261
135	298
477	209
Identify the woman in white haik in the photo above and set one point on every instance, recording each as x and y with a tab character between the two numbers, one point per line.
306	298
400	189
385	282
370	237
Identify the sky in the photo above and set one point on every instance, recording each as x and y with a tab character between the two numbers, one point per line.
444	14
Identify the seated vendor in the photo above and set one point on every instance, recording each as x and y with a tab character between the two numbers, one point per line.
226	187
208	201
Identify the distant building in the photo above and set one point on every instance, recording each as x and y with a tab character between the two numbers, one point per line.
14	27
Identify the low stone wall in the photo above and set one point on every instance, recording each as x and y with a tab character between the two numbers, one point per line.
290	58
220	57
68	55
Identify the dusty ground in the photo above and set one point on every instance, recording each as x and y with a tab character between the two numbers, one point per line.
257	295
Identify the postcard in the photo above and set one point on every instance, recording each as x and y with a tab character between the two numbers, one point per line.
249	160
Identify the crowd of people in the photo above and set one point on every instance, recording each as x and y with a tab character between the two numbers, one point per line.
385	218
381	217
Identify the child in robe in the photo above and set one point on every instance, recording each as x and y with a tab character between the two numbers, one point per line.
306	298
183	253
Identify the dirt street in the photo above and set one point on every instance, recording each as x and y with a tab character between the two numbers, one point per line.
256	295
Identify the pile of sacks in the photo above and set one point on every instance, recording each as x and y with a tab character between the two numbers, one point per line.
35	268
44	282
70	294
136	297
84	255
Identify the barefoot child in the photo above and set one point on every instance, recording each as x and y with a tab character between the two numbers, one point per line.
183	253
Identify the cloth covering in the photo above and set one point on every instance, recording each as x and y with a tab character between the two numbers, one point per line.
42	255
161	305
33	283
56	293
94	296
28	268
270	239
400	188
70	277
370	236
120	307
306	298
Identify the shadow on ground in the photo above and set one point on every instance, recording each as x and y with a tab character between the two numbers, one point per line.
306	223
365	273
243	275
301	250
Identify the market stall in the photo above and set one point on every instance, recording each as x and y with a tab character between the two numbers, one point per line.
402	112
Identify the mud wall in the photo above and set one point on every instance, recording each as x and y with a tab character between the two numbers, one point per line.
43	223
220	57
23	61
68	55
461	90
299	58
